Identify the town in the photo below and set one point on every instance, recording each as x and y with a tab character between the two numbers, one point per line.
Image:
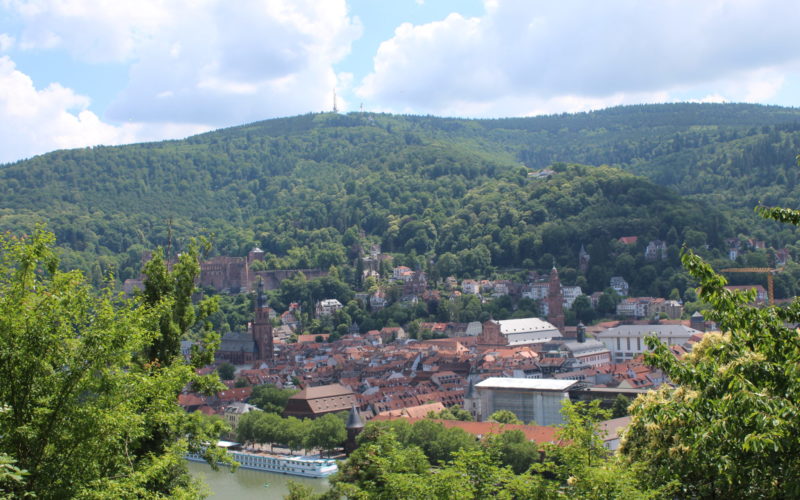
526	365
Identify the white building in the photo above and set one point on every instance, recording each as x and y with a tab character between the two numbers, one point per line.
656	249
588	353
627	341
531	400
619	284
635	307
524	330
570	293
540	291
402	273
536	291
328	306
470	287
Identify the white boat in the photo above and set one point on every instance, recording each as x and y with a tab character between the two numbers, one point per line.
297	465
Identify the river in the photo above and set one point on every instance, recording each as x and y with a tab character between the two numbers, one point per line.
245	484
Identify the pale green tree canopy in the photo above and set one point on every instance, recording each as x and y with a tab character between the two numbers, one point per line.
90	382
730	429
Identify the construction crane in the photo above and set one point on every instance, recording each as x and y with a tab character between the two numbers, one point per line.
767	270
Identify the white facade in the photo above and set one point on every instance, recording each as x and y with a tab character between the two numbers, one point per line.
328	306
470	287
570	293
540	291
627	341
531	400
590	353
619	284
537	291
528	331
636	307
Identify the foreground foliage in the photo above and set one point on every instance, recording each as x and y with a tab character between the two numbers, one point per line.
730	429
397	460
88	401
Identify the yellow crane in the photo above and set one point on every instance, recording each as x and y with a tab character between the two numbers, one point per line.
767	270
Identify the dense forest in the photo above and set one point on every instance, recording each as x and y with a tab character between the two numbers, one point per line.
452	196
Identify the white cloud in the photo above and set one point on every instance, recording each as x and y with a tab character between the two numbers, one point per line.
6	42
210	62
92	30
34	121
521	55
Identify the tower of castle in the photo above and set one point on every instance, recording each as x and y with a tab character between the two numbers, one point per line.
262	326
583	260
555	301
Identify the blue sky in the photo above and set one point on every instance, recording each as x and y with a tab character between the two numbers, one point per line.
76	73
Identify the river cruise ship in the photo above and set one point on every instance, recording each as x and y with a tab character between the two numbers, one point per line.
297	465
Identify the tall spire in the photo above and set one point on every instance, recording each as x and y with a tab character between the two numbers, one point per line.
583	260
335	109
262	326
260	294
555	301
354	427
354	419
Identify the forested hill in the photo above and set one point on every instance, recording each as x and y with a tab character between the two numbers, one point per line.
309	189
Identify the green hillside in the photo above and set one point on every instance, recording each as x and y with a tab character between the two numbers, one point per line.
310	189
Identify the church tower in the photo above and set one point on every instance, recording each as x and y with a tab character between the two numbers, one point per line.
555	302
583	260
354	427
262	326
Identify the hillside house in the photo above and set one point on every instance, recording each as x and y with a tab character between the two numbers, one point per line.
328	307
656	250
619	284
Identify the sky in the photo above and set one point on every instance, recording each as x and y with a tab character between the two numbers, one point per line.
78	73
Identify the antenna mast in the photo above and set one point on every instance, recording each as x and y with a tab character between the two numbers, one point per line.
335	110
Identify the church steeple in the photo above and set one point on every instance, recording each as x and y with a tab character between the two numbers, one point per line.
354	427
583	260
555	301
262	326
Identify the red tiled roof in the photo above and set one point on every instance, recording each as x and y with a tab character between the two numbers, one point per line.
191	400
238	394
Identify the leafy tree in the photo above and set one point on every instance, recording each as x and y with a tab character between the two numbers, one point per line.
86	411
326	433
583	309
270	398
607	303
729	429
620	406
452	413
576	467
226	371
268	428
504	417
292	433
300	491
375	468
245	430
583	467
11	477
514	450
